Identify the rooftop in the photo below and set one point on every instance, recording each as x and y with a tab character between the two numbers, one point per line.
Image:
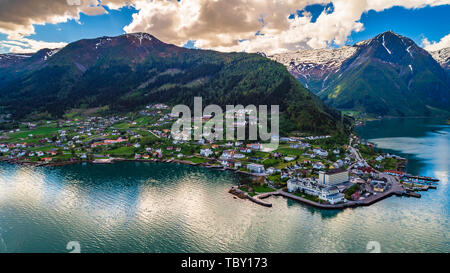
335	171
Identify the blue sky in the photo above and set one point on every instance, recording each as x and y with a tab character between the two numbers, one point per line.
429	22
110	24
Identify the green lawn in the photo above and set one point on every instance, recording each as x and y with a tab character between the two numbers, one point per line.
37	133
122	151
198	160
290	151
263	189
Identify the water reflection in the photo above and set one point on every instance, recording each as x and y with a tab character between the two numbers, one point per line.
147	207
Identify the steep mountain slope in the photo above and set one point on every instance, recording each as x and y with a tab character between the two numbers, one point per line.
129	71
314	67
442	57
387	75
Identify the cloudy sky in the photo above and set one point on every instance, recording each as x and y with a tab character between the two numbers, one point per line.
270	26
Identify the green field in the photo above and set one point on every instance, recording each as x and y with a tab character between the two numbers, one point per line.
37	133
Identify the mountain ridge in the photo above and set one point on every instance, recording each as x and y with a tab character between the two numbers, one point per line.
386	75
131	70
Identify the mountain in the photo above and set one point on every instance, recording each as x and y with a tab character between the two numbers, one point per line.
313	67
388	75
442	56
127	72
7	60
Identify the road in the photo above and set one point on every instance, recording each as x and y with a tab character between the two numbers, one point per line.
393	182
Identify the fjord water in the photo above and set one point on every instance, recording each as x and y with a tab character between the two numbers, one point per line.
156	207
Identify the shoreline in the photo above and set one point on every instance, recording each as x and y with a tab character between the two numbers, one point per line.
257	199
115	160
234	189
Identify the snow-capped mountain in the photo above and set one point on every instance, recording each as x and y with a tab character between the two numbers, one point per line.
26	59
312	66
442	57
386	75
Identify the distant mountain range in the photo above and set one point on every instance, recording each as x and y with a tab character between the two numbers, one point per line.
127	72
388	75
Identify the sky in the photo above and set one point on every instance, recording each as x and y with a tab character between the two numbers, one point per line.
273	26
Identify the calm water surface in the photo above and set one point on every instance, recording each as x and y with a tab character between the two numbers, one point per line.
148	207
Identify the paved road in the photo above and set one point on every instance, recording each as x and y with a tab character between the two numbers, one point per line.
395	185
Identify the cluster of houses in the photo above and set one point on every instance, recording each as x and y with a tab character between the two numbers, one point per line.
77	134
331	184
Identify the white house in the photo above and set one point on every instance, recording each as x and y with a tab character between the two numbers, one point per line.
206	152
289	159
256	168
227	155
272	170
320	152
338	164
318	166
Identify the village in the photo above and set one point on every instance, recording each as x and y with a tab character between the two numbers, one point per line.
326	171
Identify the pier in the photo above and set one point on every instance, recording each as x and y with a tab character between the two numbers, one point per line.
255	199
422	178
412	194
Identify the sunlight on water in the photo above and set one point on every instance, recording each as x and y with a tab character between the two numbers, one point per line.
143	207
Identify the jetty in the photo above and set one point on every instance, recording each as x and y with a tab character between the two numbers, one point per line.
410	193
255	199
422	178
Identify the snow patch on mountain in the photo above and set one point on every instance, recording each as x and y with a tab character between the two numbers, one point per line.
304	60
102	41
384	45
408	49
50	53
442	56
140	37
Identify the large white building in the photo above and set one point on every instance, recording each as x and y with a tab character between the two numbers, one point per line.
324	192
333	177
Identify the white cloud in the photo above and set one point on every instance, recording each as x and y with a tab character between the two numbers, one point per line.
24	45
434	46
18	17
230	25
